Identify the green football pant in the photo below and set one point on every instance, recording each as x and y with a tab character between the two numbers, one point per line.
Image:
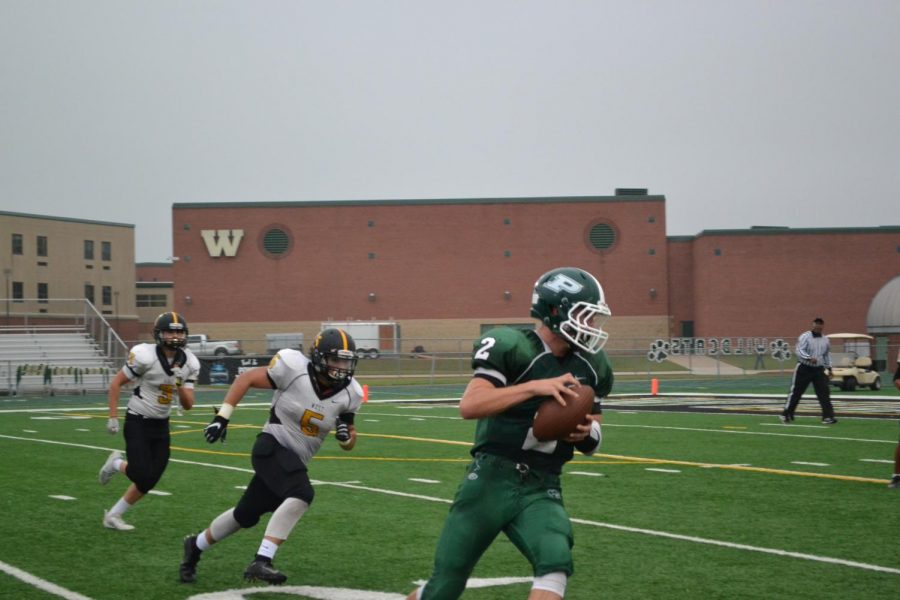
495	496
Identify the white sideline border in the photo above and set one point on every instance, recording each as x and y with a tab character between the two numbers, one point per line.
623	528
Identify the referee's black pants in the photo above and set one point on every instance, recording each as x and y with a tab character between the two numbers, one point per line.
803	376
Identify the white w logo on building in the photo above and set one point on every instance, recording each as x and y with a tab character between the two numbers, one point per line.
222	241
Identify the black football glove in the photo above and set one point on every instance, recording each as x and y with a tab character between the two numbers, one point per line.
342	432
217	429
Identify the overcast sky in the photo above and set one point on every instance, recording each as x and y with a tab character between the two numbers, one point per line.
781	112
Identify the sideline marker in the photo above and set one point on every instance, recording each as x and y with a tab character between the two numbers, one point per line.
654	386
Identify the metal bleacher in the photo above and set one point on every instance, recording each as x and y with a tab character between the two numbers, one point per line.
51	360
66	347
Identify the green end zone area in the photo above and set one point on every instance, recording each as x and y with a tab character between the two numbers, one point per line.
678	505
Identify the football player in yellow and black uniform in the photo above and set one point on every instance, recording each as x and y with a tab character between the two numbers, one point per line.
512	485
163	373
312	396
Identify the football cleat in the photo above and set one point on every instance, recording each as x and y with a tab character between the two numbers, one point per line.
188	568
115	522
264	571
785	419
108	469
895	482
829	421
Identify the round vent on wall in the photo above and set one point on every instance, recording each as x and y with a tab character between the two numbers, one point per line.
276	241
601	237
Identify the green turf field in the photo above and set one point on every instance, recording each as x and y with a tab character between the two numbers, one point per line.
680	505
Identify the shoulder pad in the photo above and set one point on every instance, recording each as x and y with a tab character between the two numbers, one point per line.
142	355
355	388
293	359
504	337
285	365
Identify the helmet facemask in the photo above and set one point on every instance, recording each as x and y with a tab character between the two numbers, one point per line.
171	342
337	365
584	326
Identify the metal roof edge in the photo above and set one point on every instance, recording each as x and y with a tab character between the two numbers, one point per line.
422	201
67	219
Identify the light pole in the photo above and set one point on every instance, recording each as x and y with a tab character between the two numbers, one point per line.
116	306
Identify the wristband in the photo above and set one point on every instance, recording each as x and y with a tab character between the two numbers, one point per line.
225	410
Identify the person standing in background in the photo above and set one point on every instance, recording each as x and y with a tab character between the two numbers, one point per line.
895	480
813	366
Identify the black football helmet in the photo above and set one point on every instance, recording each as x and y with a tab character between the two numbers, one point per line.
333	355
170	321
570	301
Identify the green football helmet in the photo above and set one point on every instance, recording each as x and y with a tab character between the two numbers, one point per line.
570	302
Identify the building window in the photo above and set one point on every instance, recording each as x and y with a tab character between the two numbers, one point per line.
107	295
89	292
18	291
42	245
89	249
17	243
43	290
652	251
149	300
105	250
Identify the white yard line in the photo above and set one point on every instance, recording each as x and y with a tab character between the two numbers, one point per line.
775	551
765	433
651	532
41	584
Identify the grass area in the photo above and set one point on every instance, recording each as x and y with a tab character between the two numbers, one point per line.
665	512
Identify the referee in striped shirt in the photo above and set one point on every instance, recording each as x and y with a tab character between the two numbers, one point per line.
813	366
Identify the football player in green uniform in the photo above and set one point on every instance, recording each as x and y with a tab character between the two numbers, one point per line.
512	485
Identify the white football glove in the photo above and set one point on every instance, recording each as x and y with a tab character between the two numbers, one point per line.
112	425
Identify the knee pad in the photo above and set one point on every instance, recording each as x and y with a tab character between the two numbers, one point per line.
224	525
285	517
551	582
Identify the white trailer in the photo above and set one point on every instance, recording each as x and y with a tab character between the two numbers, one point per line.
277	341
373	338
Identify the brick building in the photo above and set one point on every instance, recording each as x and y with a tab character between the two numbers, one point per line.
447	268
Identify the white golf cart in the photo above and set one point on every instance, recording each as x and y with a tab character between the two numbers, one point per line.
852	362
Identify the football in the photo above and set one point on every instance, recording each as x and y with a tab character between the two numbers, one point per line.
553	421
